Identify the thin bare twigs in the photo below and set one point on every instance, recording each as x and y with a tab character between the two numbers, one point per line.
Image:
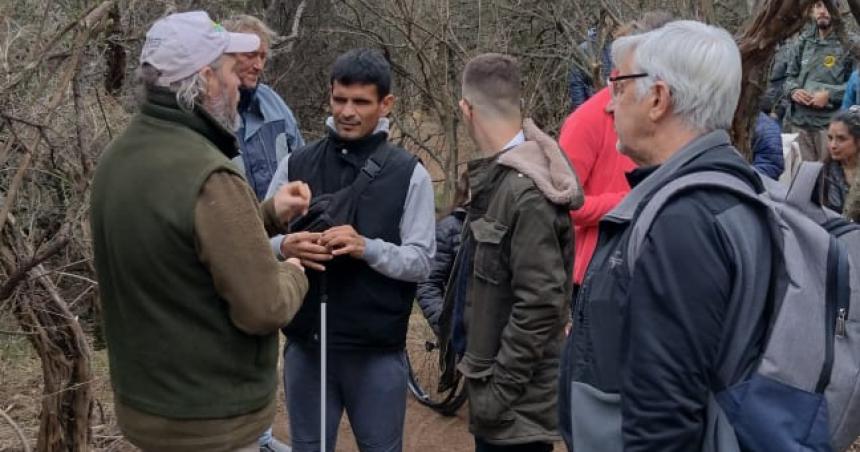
20	273
285	43
30	68
17	429
88	22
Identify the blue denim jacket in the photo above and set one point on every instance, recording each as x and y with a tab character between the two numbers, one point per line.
268	133
850	97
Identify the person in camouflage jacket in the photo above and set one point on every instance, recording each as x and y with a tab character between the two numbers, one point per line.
817	72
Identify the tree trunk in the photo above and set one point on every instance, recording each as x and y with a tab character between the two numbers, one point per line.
62	347
707	10
751	6
775	21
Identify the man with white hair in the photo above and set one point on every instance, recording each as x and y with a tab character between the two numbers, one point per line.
649	336
192	295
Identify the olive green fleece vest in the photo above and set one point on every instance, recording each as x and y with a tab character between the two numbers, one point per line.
173	350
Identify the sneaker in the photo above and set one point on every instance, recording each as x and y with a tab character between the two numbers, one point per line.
275	446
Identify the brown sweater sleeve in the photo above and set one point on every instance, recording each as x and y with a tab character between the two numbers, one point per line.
270	219
262	293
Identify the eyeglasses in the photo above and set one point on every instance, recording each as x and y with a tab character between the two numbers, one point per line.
616	87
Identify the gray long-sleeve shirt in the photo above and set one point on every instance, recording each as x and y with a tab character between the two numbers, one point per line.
410	261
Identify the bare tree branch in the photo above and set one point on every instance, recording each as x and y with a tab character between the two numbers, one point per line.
20	274
284	44
776	21
17	429
31	67
88	22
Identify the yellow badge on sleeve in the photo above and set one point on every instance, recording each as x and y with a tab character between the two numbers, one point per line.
829	61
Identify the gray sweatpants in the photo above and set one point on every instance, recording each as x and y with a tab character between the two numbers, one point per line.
370	386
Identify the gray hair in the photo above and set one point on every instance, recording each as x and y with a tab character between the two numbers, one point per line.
700	63
188	90
245	23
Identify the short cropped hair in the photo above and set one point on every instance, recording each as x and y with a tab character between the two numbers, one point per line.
364	67
244	23
700	63
491	82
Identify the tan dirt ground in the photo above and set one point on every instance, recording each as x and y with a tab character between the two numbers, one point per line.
20	391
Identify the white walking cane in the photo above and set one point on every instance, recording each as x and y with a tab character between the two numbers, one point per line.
323	374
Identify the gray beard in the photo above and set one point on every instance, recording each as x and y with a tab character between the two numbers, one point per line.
223	112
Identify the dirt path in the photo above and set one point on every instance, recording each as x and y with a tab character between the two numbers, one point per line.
425	431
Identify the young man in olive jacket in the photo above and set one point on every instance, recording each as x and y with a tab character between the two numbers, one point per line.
517	265
192	296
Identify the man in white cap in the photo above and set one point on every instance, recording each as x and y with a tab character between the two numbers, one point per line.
192	295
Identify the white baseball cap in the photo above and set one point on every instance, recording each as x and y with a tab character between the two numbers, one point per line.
183	43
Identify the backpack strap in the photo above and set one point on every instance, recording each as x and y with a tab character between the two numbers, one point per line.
372	167
705	179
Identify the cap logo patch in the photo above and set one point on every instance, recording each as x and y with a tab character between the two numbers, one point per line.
152	43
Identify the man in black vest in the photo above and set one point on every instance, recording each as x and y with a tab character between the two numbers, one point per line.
367	268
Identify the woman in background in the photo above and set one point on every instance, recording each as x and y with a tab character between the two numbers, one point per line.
840	168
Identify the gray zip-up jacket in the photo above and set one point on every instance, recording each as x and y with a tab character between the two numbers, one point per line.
649	346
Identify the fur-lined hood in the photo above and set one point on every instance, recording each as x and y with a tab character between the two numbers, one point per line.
543	162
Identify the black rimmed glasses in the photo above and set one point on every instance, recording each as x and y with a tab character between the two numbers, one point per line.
616	87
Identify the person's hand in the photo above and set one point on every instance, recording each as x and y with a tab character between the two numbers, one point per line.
296	262
567	328
801	96
820	99
342	240
305	247
291	200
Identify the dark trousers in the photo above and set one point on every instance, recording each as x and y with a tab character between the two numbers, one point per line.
483	446
370	386
564	421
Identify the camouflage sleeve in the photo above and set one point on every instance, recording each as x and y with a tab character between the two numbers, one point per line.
851	209
792	72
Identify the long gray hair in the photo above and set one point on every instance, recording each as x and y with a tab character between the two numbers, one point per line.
189	91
